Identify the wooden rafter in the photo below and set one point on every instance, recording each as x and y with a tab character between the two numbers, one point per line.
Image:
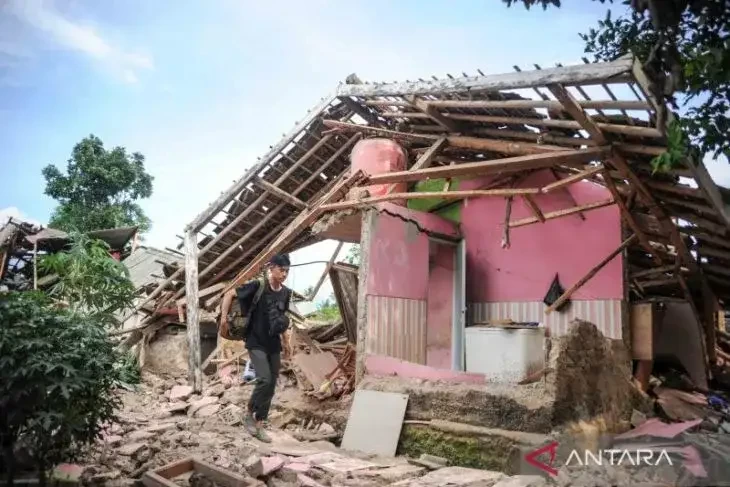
629	219
532	204
615	71
510	164
573	179
561	213
326	272
280	193
589	275
571	106
433	114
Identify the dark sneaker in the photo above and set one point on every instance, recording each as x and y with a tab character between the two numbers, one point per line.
250	424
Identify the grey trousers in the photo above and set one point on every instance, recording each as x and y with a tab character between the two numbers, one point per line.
266	366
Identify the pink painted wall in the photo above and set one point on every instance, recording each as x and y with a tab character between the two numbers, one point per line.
399	252
380	365
568	246
440	302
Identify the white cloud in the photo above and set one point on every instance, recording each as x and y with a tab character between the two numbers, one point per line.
15	213
63	33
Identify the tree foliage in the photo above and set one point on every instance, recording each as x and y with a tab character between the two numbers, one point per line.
353	255
684	46
100	190
57	375
90	281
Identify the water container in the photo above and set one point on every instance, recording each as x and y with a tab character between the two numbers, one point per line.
378	156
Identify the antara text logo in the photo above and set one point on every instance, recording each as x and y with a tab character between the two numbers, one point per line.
613	457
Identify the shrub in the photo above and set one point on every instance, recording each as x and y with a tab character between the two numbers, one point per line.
56	380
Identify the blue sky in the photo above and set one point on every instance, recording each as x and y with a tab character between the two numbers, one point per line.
203	88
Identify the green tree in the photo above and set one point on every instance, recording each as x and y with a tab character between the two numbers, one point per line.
353	255
100	190
57	374
90	281
684	46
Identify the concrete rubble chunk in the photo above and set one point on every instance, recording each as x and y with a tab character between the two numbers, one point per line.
112	440
130	449
161	427
434	459
254	466
391	474
177	407
216	390
207	411
455	477
180	393
140	435
201	403
291	471
305	481
271	464
523	481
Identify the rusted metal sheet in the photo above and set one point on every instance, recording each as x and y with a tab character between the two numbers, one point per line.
605	314
397	328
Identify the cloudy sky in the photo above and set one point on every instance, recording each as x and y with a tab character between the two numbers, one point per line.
203	88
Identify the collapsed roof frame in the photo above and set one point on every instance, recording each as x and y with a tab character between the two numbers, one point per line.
442	120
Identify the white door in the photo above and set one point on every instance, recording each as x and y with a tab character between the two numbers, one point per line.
459	321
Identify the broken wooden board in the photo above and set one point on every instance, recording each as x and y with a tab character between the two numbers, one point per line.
315	366
162	477
375	422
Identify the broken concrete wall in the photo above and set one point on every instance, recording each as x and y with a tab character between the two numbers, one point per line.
398	280
589	377
167	353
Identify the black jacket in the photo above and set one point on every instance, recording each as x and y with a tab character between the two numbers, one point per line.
268	319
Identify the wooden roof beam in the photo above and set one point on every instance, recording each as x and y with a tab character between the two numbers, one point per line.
571	106
510	164
561	213
573	179
280	193
203	218
628	217
433	113
615	71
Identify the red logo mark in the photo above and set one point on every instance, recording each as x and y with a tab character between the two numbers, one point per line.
531	458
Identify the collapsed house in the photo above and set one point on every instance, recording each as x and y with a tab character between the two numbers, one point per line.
496	214
23	243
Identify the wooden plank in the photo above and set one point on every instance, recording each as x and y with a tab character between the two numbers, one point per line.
175	468
705	237
615	71
303	221
561	213
151	479
206	292
589	275
631	130
280	193
709	190
510	164
326	272
527	104
195	373
572	179
434	114
202	219
463	142
689	205
426	195
653	271
629	219
222	477
575	111
679	189
532	204
427	157
642	331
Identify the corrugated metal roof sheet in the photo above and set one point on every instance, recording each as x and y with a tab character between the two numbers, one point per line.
145	261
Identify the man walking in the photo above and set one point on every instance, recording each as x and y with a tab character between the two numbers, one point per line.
267	322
